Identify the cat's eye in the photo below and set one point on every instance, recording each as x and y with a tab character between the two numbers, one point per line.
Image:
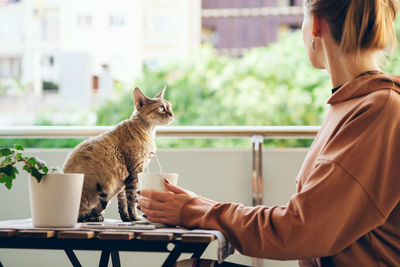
161	109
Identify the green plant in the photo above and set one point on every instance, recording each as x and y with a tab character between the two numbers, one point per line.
9	157
274	85
47	85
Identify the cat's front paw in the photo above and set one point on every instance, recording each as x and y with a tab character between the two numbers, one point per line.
98	218
133	216
125	217
128	216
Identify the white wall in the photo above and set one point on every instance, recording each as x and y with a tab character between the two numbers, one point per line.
219	174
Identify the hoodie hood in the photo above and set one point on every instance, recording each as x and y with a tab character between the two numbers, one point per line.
364	85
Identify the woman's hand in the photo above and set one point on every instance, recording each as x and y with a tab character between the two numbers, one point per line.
164	207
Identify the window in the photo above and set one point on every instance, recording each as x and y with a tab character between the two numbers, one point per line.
9	1
84	20
284	2
209	36
50	25
48	61
117	20
10	67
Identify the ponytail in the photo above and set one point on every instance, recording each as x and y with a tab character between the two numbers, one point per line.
359	25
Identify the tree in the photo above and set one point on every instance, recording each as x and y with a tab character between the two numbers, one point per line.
275	85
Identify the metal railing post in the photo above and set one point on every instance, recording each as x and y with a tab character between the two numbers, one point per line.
257	179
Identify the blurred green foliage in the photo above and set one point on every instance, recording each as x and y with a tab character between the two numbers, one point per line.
50	86
40	143
12	87
274	85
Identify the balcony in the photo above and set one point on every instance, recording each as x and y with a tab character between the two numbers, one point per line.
247	175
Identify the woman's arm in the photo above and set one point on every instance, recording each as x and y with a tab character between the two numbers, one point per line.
331	212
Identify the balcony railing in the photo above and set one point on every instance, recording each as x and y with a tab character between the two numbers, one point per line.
256	133
272	132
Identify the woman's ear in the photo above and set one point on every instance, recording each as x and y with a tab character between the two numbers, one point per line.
316	26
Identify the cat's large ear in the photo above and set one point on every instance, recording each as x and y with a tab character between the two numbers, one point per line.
161	94
139	98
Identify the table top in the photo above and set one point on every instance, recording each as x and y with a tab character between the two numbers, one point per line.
21	234
110	234
103	240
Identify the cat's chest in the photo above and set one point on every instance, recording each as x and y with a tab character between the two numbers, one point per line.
151	152
152	145
140	153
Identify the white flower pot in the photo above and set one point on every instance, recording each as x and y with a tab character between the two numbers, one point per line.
56	199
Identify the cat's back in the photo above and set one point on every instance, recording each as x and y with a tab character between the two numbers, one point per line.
95	149
126	140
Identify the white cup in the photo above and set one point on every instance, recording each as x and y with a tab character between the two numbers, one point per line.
155	181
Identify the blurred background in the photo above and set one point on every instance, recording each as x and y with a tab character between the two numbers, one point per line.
225	62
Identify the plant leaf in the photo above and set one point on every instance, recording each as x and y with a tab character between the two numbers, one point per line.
5	152
9	184
8	170
18	156
37	174
32	161
27	168
8	159
45	169
7	180
40	163
4	178
18	147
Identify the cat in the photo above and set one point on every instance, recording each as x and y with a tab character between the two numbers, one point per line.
112	160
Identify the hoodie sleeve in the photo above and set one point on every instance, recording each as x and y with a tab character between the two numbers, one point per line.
328	215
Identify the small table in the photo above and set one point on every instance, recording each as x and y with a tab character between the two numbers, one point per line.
174	241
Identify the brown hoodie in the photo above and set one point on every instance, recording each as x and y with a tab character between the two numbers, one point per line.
346	211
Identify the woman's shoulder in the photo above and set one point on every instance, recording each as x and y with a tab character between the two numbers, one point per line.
367	88
386	94
379	92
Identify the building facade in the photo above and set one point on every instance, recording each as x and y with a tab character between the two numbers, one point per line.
234	26
83	47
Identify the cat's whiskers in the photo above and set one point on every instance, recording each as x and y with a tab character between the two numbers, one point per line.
174	122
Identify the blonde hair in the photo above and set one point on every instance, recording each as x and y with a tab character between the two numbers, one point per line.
358	25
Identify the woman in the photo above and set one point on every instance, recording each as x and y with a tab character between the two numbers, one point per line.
346	211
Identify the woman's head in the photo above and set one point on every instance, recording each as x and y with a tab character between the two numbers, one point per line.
356	26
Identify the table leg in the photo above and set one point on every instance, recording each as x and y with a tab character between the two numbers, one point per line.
115	259
72	258
105	256
172	257
197	254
